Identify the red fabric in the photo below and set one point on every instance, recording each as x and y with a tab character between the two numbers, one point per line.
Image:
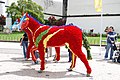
65	34
57	56
31	46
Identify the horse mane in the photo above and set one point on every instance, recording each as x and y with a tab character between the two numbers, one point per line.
33	23
36	23
30	16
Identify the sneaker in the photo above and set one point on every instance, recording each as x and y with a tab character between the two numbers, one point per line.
26	59
110	58
69	61
54	59
69	69
36	62
105	59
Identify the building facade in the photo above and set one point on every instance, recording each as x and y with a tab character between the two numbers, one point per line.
82	13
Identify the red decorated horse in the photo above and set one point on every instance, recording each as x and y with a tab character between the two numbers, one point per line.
32	48
45	36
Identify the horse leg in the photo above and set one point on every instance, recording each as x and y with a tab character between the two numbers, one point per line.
84	60
33	55
78	52
57	55
41	49
73	62
28	51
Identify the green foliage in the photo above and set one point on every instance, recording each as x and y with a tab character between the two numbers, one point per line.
53	21
16	10
87	46
46	22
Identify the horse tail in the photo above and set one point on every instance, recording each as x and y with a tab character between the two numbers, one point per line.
86	45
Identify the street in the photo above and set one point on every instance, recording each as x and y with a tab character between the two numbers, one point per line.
14	67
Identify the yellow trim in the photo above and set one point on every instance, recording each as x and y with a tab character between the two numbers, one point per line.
56	55
73	56
35	32
49	36
73	62
34	49
31	32
26	18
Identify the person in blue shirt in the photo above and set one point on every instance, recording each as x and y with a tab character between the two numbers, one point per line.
111	38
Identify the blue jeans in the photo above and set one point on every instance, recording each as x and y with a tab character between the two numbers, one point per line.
25	46
70	55
36	54
109	45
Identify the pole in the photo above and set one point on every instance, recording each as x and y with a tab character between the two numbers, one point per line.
64	14
101	24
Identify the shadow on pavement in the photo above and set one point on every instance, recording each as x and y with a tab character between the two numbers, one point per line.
31	72
16	60
108	61
45	74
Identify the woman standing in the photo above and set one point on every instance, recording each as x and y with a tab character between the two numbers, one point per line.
24	43
111	38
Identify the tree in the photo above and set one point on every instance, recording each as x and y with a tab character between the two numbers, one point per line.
15	10
2	21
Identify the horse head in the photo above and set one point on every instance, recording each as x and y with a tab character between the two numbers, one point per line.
24	22
27	21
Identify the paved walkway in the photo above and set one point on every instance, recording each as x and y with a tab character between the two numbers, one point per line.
13	66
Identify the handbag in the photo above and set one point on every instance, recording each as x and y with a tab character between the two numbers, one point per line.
114	47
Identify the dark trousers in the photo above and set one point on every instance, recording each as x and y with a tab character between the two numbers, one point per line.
70	55
25	46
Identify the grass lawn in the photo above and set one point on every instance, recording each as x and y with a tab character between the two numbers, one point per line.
15	36
96	40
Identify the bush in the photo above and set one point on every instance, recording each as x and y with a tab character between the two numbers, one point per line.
94	34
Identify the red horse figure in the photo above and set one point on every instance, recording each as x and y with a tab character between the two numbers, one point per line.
46	36
31	47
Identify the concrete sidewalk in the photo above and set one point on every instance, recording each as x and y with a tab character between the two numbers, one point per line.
13	66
